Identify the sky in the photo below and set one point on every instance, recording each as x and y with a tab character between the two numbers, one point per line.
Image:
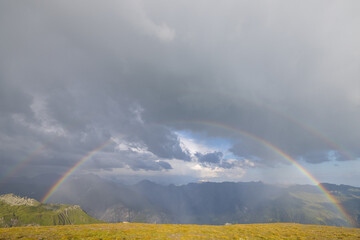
181	91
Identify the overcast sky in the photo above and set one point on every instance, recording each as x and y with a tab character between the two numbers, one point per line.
185	90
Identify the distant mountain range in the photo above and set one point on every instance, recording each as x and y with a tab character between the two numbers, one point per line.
17	211
207	203
210	203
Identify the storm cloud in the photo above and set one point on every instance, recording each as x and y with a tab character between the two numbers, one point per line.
261	75
214	157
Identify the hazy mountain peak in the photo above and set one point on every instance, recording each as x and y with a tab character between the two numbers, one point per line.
146	183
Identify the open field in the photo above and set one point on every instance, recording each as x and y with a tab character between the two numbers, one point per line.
173	231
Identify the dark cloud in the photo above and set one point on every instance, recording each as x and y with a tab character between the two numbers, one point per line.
257	151
165	165
13	99
138	164
279	76
226	164
163	143
217	160
317	157
211	158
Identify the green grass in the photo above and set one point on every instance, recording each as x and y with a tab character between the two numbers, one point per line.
173	231
42	214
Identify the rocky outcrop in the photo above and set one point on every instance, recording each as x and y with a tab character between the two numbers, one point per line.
14	200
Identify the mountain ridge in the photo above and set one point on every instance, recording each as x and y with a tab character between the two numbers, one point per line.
18	211
212	203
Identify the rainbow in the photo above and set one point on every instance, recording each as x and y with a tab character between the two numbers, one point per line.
331	198
72	169
302	125
16	168
26	160
328	195
314	132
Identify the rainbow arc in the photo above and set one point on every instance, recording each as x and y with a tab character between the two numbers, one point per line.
73	168
267	144
287	157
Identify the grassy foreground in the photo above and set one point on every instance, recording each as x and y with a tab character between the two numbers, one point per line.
173	231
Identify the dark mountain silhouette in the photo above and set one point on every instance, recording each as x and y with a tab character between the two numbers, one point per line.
210	203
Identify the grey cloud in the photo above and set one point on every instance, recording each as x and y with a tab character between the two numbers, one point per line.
165	165
12	99
137	164
125	159
256	151
211	158
216	159
227	164
164	143
286	74
319	157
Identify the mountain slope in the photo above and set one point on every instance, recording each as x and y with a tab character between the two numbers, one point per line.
17	211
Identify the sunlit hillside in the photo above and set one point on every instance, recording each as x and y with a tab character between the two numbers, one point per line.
17	211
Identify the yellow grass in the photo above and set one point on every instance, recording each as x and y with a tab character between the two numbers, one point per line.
173	231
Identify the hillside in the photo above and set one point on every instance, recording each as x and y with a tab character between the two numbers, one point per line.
18	211
159	231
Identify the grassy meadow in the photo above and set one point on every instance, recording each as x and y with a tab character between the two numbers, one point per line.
173	231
